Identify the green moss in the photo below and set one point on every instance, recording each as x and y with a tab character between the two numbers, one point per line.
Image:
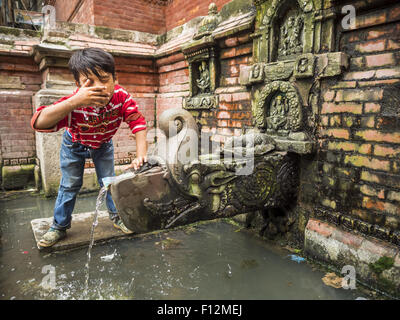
17	177
382	264
32	33
235	7
113	34
11	31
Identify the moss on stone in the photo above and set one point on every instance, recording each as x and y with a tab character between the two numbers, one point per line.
234	7
17	177
10	31
113	34
382	264
32	33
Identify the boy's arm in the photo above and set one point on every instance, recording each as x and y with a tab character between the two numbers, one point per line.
137	124
49	117
141	150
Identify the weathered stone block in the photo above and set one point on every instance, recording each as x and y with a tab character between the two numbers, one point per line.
17	177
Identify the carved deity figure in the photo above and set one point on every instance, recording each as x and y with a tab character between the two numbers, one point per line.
204	79
256	72
290	35
278	112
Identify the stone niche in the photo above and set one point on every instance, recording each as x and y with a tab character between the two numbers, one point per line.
203	67
293	49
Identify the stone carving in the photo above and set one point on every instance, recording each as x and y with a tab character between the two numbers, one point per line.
257	73
364	227
290	41
278	113
209	23
204	78
201	56
304	66
278	108
172	192
201	102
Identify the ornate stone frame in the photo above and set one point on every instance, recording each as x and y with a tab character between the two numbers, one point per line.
196	53
318	28
294	114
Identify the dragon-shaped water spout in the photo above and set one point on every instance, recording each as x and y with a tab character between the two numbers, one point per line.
177	187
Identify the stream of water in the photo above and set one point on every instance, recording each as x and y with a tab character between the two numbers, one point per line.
215	260
99	202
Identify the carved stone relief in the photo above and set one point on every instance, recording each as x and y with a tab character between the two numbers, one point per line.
278	110
201	56
290	38
288	62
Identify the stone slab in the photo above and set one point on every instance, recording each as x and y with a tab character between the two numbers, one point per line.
79	234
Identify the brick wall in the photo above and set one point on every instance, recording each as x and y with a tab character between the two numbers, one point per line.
138	15
135	15
233	114
139	77
65	11
357	169
182	11
19	80
173	82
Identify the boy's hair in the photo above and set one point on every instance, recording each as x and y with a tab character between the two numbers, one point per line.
91	59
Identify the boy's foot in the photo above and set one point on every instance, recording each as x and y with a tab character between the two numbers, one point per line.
51	237
120	225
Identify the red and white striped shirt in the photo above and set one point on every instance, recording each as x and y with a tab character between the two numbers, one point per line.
93	126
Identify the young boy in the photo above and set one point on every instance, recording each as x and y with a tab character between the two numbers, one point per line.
91	115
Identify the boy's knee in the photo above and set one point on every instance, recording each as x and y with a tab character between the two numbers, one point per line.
72	183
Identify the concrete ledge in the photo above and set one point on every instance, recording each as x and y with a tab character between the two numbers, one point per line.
79	234
328	243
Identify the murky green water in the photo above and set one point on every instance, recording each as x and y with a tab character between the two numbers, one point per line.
210	261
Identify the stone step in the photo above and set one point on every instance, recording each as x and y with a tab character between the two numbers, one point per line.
79	234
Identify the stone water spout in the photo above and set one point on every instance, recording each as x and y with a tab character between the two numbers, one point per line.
246	175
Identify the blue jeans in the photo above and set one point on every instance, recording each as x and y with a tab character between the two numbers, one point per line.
72	163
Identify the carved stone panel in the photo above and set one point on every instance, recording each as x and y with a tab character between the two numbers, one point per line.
201	57
278	109
304	66
291	35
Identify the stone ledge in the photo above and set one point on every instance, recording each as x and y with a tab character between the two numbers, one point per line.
79	234
327	243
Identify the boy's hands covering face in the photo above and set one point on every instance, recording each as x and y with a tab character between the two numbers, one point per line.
92	96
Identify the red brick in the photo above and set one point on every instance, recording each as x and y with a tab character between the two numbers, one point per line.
370	19
336	133
359	75
372	107
373	135
371	163
384	151
371	46
388	73
355	108
380	60
380	206
353	95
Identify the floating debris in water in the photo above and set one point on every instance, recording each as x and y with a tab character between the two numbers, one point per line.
296	258
332	280
109	257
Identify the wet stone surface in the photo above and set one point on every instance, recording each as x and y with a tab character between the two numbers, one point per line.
213	260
